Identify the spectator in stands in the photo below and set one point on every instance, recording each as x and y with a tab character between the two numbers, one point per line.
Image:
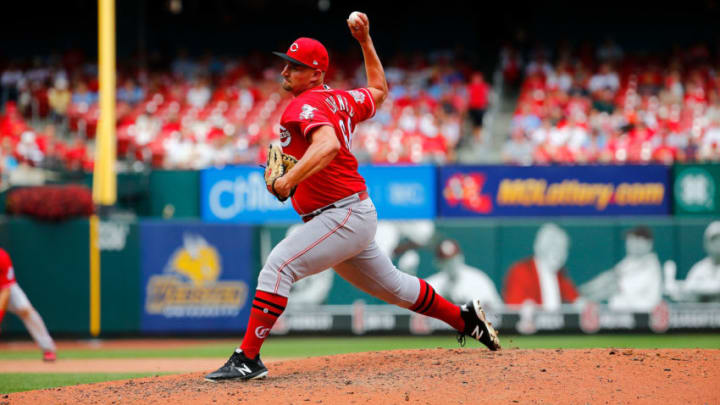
130	93
8	162
511	64
12	124
539	65
478	98
199	94
183	67
526	119
28	150
59	98
560	78
542	280
519	150
605	78
710	143
82	96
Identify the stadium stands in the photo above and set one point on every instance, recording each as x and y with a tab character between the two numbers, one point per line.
613	107
198	113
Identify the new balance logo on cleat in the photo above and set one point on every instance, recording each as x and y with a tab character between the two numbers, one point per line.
245	370
477	333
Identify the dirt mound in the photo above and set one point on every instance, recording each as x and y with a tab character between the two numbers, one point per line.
437	376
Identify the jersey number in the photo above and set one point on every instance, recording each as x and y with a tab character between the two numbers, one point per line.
346	132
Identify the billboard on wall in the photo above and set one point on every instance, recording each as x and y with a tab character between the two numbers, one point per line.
401	192
614	274
238	194
696	189
195	277
553	190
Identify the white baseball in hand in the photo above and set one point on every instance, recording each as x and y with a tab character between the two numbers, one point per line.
355	19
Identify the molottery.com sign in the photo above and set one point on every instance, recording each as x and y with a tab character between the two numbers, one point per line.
554	190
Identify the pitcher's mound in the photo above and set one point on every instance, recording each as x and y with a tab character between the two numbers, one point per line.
433	376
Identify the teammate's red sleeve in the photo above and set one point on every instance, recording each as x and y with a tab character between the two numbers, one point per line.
568	292
364	104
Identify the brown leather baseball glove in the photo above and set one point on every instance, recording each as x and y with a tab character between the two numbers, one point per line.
278	163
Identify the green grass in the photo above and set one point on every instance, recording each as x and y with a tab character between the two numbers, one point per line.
15	382
306	347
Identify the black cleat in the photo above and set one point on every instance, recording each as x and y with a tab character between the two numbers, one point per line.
477	326
239	367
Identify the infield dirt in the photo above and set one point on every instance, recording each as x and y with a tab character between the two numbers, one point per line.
433	376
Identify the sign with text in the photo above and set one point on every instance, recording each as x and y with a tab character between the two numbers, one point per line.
195	277
401	192
554	190
238	194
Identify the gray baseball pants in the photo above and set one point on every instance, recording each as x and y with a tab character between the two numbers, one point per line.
341	238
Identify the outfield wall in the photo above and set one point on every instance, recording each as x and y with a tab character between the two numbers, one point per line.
167	277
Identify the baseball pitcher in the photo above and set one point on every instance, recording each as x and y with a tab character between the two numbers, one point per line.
316	169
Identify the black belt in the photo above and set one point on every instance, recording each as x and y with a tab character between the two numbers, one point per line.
363	195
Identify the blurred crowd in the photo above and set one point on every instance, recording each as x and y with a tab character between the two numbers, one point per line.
192	113
605	105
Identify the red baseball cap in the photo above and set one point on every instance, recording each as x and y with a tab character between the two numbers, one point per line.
307	52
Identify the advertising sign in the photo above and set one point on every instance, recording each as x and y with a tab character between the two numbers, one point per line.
696	189
554	190
401	192
195	277
238	194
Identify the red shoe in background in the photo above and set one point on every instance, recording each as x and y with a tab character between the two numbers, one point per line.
49	356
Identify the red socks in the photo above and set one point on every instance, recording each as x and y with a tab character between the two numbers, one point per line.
266	309
432	304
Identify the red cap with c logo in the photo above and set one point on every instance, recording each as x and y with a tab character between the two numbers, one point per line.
307	52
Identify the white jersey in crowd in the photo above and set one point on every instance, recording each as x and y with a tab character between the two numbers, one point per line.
470	283
639	284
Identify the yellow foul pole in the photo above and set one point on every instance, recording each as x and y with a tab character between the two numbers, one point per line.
104	183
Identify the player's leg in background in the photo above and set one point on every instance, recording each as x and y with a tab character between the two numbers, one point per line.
20	306
373	272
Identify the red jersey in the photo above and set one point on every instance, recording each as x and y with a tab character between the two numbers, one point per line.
314	108
7	274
